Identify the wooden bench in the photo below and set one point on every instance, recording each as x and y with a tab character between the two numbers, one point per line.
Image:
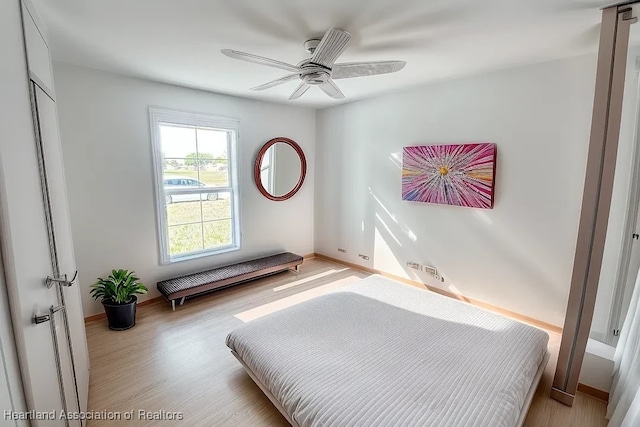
180	288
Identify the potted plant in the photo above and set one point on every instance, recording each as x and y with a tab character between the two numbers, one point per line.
118	296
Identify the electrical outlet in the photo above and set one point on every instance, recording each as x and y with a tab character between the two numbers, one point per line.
414	265
344	251
434	272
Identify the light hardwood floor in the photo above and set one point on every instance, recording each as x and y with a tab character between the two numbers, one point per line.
177	361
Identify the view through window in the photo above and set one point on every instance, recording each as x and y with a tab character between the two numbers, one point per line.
197	194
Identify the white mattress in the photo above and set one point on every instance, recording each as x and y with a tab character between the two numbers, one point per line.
380	353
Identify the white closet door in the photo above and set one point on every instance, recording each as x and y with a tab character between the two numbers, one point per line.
59	212
52	151
27	260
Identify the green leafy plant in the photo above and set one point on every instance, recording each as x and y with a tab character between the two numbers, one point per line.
119	287
198	159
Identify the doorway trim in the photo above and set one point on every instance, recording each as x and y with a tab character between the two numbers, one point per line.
616	316
596	199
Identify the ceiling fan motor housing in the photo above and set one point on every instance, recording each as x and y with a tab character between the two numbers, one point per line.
311	45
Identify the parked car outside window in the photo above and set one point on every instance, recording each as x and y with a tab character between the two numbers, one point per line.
183	182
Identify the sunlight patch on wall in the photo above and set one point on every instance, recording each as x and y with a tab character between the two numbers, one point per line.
409	233
386	227
484	217
383	257
406	230
392	216
396	159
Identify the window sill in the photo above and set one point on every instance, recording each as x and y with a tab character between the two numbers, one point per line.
202	254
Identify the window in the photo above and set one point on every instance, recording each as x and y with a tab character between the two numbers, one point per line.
267	167
196	184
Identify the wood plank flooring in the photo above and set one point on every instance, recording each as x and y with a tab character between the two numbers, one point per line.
178	362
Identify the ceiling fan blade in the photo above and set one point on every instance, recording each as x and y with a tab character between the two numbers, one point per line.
300	90
333	43
348	70
330	88
260	60
276	82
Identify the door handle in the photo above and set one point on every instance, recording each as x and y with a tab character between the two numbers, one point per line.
42	318
49	282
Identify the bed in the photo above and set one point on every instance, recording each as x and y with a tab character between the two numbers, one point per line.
382	353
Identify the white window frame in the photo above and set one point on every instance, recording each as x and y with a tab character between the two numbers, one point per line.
270	154
161	115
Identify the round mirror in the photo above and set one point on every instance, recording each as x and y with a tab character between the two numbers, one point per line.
280	169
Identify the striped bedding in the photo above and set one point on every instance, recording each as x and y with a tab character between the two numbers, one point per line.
381	353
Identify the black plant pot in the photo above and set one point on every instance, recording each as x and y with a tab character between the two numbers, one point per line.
120	316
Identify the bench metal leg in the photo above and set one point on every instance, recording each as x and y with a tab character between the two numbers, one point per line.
182	300
173	305
295	269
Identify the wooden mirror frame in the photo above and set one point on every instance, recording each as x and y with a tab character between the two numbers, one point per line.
303	168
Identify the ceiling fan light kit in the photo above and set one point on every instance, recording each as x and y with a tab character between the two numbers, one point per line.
321	69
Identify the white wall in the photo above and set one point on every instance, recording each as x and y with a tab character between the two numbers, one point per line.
104	127
597	366
519	255
619	205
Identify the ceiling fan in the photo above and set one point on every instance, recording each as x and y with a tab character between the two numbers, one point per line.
320	70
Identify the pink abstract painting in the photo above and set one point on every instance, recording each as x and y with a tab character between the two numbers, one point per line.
460	174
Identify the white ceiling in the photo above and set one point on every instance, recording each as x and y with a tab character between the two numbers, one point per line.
179	41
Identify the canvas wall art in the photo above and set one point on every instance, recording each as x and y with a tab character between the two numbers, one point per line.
458	174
